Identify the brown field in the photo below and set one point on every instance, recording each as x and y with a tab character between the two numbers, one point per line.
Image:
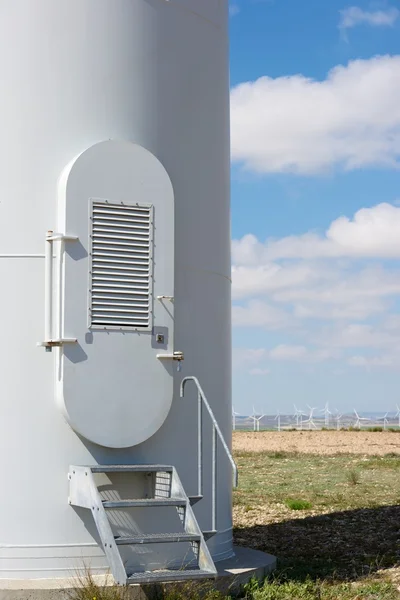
319	442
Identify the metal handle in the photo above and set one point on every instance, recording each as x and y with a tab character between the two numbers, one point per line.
178	355
49	342
48	286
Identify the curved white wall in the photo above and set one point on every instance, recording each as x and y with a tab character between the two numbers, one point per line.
74	73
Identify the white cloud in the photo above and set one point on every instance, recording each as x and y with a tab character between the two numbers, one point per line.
297	124
260	314
375	362
248	355
357	335
258	372
354	15
282	352
234	10
315	276
392	323
372	233
350	294
287	352
324	290
333	293
383	338
255	280
353	309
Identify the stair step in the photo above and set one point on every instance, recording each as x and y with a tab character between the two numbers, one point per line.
168	575
144	502
130	468
157	538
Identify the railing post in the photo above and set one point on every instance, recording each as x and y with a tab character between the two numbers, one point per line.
199	443
216	433
214	479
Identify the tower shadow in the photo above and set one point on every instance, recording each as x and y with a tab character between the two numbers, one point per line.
345	545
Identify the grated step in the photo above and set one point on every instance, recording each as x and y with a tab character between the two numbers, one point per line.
157	538
168	575
130	468
144	502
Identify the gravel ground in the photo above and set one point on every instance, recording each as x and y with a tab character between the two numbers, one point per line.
318	442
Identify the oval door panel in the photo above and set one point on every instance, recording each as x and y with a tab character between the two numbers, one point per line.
118	199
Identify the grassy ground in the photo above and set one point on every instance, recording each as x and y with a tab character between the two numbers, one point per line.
333	521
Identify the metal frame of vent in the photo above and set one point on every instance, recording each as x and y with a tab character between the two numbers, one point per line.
117	272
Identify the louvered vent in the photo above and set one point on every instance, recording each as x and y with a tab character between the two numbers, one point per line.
121	265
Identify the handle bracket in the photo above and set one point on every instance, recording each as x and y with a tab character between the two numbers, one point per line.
50	341
57	342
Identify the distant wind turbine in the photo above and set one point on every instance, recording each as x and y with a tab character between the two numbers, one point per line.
385	421
338	419
398	413
326	412
310	419
278	417
299	416
256	420
359	419
234	414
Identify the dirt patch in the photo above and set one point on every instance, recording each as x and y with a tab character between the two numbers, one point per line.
318	442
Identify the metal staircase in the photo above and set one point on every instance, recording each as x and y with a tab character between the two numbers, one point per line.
137	506
117	526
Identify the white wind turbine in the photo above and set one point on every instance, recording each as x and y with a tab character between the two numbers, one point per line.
310	419
359	419
326	412
296	414
338	419
385	421
398	413
299	416
256	420
234	415
278	418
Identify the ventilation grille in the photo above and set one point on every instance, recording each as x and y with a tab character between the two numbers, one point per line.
121	265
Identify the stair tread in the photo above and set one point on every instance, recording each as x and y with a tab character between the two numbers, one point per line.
130	468
146	502
154	538
169	575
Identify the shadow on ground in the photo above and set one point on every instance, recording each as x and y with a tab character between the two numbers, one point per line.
341	545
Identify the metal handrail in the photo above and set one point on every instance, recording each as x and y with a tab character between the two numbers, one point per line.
201	398
50	339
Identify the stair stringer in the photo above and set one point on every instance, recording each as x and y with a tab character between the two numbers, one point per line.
85	494
191	525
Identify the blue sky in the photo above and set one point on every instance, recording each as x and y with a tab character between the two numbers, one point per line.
315	112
